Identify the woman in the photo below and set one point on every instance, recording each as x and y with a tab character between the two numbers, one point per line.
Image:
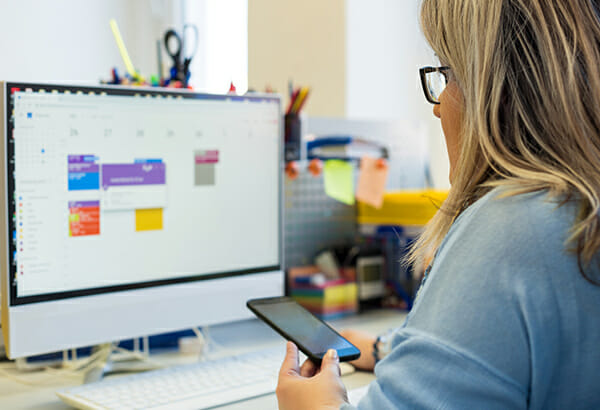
508	315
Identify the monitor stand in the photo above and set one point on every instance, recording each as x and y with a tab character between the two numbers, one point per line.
111	360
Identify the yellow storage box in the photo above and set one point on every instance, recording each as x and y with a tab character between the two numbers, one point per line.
415	207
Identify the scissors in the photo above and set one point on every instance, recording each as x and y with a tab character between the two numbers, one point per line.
177	46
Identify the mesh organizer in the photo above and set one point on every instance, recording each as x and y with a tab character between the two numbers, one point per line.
313	221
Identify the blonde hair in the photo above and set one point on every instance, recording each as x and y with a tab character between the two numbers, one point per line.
529	71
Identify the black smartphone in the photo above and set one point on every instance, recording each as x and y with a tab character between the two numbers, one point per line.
312	336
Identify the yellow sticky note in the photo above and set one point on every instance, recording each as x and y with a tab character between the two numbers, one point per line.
148	219
371	182
339	181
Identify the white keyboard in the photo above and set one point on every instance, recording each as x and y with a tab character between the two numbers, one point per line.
199	385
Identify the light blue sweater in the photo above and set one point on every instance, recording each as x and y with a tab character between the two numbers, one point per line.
504	319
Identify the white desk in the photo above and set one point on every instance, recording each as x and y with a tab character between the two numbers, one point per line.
237	337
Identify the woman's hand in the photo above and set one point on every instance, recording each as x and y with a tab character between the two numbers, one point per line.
364	341
311	387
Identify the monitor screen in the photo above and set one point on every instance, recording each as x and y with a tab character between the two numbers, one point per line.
111	190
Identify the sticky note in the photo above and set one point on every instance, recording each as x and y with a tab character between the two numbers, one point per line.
148	219
339	181
371	182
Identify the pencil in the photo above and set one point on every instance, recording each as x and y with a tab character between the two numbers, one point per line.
122	49
299	99
301	104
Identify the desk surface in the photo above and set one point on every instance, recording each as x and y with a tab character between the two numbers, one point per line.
234	338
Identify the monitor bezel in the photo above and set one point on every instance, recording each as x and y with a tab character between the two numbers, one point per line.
10	204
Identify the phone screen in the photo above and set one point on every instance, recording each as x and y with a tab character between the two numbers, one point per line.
303	327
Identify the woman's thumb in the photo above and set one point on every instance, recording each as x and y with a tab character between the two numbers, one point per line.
331	362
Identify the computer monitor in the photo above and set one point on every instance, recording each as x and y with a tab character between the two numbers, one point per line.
132	212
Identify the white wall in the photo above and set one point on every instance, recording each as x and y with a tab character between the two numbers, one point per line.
70	40
223	44
385	49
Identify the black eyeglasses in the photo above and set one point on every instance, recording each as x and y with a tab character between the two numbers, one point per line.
434	81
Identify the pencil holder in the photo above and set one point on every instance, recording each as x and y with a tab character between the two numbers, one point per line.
292	137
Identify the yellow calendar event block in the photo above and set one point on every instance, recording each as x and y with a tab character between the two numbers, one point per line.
148	219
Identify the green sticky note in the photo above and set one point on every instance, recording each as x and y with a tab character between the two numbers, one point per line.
339	181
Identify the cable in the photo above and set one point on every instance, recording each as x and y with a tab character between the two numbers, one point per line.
17	379
140	356
48	375
210	342
210	345
79	365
